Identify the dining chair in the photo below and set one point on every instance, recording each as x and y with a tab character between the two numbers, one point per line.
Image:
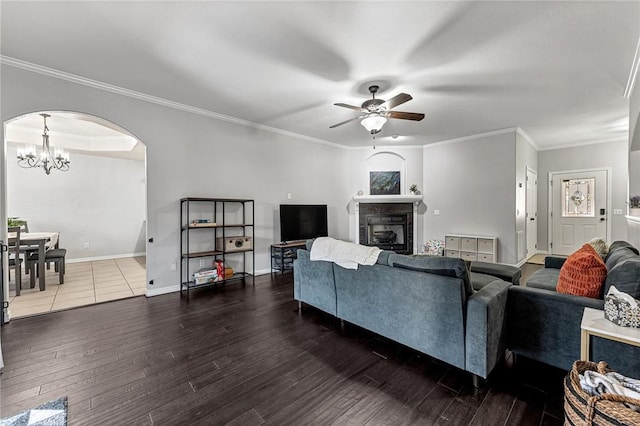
26	250
16	260
53	255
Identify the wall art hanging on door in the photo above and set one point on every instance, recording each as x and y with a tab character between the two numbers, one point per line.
384	183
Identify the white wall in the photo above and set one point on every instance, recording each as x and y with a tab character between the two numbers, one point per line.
526	157
634	173
195	155
100	200
471	182
610	154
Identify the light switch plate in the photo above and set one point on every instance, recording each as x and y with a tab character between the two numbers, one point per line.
436	212
617	211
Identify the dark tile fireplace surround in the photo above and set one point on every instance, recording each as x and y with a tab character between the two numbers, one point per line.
387	225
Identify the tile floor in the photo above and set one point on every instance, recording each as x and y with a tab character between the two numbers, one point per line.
84	283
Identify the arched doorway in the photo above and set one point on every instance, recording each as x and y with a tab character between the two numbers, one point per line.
97	208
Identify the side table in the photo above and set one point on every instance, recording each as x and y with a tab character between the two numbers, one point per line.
594	324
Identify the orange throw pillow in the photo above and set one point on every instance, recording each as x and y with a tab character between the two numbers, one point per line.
583	274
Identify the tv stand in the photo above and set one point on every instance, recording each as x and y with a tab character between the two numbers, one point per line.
283	255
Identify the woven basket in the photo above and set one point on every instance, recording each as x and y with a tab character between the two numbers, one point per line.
580	408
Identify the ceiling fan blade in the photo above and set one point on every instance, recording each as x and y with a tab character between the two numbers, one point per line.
405	115
345	122
348	106
396	100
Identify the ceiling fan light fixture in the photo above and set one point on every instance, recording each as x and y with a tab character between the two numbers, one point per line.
373	123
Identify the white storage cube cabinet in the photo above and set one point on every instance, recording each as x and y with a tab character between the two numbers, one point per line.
471	247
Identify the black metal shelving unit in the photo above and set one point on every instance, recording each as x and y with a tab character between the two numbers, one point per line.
209	245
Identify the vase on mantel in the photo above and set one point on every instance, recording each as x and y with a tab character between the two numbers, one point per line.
634	212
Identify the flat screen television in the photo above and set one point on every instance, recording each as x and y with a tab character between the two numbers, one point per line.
303	221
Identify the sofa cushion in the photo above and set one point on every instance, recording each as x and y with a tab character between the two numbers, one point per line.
625	276
621	245
438	265
507	273
383	257
309	243
583	274
554	262
546	278
479	280
618	256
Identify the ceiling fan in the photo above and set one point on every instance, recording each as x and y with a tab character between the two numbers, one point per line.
374	112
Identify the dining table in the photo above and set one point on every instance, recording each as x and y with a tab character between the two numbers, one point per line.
43	240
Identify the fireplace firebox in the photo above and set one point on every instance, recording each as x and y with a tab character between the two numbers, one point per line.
387	231
387	225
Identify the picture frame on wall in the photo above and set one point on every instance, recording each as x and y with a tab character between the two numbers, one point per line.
384	183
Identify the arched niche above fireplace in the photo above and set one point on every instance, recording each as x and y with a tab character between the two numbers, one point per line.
387	161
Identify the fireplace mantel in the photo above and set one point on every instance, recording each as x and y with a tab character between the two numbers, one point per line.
387	198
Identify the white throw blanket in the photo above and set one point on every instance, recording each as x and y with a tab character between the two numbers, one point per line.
596	384
348	255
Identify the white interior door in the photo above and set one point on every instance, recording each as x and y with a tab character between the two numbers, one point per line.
579	209
532	213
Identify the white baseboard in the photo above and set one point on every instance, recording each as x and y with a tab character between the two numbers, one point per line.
162	290
150	292
97	258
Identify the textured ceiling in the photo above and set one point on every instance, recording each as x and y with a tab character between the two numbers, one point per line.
557	70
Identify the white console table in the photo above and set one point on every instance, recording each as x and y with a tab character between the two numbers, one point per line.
594	324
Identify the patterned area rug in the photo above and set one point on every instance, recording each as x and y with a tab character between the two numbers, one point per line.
53	413
537	259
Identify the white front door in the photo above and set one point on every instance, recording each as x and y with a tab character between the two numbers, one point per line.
532	212
579	209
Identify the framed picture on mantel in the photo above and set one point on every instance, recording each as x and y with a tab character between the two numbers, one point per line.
384	183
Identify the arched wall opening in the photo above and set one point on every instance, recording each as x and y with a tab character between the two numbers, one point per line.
98	206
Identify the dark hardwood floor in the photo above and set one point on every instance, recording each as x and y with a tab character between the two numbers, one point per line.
242	355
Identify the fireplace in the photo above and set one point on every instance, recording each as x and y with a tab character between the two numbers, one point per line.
389	226
387	231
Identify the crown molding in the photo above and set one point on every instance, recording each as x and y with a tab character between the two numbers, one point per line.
526	137
582	144
476	136
95	84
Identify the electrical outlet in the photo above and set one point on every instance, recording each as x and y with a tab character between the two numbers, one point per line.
288	195
87	245
436	212
173	267
201	263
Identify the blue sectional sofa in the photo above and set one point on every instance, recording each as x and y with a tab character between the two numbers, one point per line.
425	303
545	325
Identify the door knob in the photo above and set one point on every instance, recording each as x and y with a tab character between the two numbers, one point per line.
602	219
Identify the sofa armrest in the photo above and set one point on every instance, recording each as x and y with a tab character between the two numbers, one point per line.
314	283
545	325
554	262
485	337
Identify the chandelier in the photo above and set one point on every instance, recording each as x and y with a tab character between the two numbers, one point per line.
48	158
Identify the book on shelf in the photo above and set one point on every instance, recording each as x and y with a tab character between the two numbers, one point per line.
206	275
202	223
